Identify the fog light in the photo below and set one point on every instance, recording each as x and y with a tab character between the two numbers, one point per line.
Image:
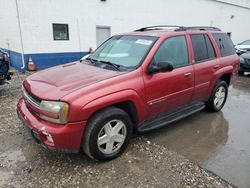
49	138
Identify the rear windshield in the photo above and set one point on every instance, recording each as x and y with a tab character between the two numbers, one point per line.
225	44
125	50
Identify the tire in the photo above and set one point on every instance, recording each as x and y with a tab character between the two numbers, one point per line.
112	125
241	72
217	99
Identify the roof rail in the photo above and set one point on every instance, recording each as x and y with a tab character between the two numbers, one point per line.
178	28
201	28
159	27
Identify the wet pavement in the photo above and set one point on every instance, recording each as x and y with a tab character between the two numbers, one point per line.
166	157
219	142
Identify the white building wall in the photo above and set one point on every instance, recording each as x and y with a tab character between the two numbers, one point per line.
9	32
83	16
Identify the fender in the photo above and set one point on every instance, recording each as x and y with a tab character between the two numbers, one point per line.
128	95
219	73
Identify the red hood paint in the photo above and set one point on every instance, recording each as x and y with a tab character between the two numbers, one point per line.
56	82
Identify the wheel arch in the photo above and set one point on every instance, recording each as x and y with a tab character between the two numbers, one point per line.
127	106
224	74
227	78
130	109
127	100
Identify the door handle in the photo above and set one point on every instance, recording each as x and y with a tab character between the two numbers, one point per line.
187	74
216	66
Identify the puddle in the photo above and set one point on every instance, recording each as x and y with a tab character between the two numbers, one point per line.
220	141
16	150
197	137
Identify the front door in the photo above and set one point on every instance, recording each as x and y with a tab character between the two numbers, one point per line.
167	91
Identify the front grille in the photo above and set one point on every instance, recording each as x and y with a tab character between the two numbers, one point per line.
30	98
247	61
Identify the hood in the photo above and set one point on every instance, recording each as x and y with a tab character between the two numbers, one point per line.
242	47
245	55
56	82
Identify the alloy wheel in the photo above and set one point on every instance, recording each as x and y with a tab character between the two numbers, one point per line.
219	97
112	136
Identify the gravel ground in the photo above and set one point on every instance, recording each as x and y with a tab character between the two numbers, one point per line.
144	164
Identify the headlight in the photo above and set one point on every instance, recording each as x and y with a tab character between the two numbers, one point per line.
242	60
56	112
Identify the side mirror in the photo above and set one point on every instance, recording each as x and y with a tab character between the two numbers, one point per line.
163	66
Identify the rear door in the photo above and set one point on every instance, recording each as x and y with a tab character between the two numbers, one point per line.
205	64
167	91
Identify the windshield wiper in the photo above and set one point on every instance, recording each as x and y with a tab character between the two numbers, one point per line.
117	67
91	60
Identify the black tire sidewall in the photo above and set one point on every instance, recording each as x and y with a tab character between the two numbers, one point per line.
241	72
211	104
98	124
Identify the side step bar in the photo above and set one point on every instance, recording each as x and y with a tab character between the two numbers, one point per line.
164	120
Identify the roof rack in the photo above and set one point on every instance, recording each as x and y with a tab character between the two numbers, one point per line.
178	28
158	27
201	28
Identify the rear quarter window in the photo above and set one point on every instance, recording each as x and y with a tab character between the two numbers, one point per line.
224	43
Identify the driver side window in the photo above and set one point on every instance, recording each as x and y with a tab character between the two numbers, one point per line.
173	50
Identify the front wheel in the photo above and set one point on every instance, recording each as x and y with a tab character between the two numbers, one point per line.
218	97
107	134
241	73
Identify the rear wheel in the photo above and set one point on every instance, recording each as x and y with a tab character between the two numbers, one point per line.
107	134
218	97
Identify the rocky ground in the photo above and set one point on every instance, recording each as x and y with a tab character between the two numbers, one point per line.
144	164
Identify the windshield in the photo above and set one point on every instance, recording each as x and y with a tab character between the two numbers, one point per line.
247	42
124	51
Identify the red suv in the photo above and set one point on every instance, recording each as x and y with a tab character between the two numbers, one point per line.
133	82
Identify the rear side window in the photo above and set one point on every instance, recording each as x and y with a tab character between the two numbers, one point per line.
225	44
173	50
203	48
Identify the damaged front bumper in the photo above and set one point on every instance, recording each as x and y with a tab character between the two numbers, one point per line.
62	138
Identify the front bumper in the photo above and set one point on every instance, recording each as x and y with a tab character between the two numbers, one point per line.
241	51
244	67
66	138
